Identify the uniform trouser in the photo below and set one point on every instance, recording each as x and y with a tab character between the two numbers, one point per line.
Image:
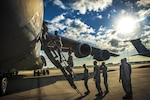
86	84
97	83
69	70
127	86
58	47
105	83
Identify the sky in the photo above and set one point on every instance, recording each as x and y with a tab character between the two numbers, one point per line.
105	24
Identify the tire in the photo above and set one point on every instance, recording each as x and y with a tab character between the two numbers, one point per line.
3	85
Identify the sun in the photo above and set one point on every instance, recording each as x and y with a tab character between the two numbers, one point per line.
126	25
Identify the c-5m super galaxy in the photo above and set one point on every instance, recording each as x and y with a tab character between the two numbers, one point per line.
21	39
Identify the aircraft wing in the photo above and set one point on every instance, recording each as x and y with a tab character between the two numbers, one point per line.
113	54
81	49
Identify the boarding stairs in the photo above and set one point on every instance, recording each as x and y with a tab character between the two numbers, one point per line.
63	66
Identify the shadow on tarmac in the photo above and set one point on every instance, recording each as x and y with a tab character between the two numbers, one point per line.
127	98
79	76
81	97
100	97
19	84
146	66
22	83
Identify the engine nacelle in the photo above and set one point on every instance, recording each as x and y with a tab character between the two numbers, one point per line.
82	50
100	55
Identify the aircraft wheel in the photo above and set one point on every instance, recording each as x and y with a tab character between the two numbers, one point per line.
3	85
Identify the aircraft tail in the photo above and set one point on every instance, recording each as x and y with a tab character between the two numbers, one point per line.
139	46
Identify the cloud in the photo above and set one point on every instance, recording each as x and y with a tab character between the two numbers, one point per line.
129	4
145	34
59	3
108	16
58	18
82	27
55	2
56	26
77	30
101	28
143	3
72	28
90	5
68	22
143	14
146	27
110	41
114	42
100	16
123	11
146	40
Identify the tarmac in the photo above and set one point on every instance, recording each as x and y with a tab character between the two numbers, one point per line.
55	87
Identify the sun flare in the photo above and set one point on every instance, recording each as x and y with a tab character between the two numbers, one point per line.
126	25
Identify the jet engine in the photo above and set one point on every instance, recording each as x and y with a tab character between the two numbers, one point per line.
82	50
100	55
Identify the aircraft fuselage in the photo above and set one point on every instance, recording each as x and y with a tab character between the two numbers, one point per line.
21	22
